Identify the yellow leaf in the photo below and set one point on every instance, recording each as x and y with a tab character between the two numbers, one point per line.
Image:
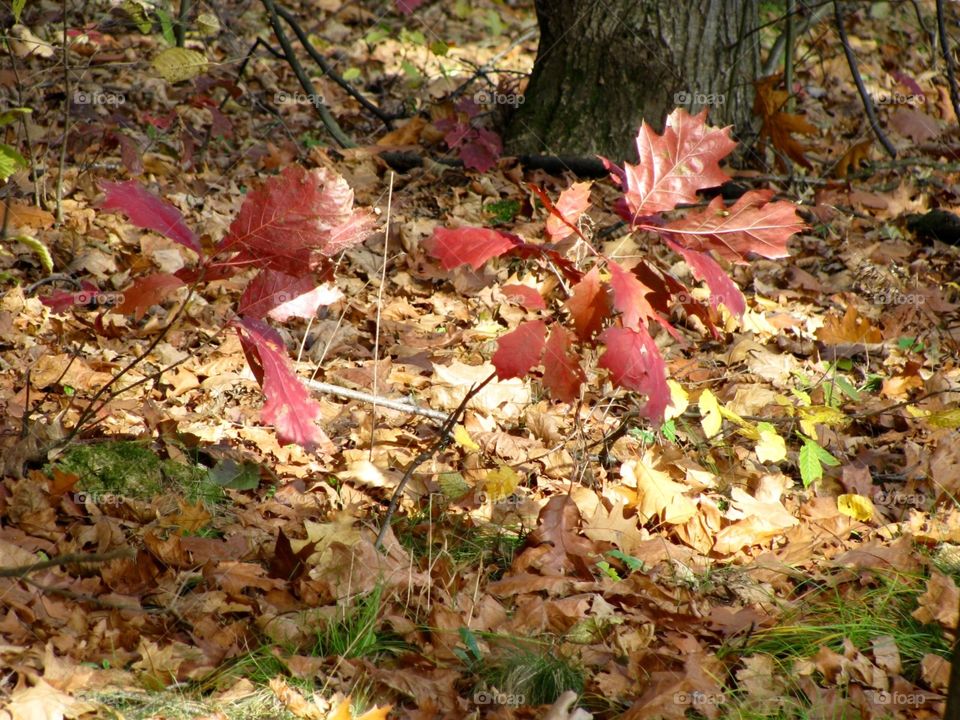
679	400
378	713
178	64
452	485
733	417
500	483
856	506
657	494
462	438
341	711
945	418
771	447
815	415
710	419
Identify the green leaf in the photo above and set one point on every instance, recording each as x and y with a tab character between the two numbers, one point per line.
378	34
18	6
632	563
470	640
9	116
669	430
166	26
39	249
351	74
825	457
809	463
847	388
232	475
605	568
10	161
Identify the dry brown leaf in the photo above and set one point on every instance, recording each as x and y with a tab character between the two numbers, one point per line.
852	328
657	494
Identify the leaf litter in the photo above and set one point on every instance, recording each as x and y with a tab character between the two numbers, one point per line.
783	546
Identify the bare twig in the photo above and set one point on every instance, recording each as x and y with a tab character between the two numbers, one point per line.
329	122
861	89
398	405
180	30
66	114
948	58
320	60
71	559
443	438
376	337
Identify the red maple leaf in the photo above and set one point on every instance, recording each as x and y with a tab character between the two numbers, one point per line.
471	246
146	210
673	166
283	296
60	300
634	362
519	350
296	218
562	374
480	149
147	291
752	225
288	406
722	288
525	295
589	305
564	214
629	296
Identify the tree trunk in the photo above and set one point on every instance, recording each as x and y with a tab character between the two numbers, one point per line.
603	67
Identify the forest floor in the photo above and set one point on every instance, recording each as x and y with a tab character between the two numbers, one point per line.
785	545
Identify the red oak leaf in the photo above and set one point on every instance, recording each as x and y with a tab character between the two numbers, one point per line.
295	218
283	296
288	406
147	291
573	202
752	225
673	166
589	305
471	246
634	362
519	350
146	210
629	296
562	373
722	288
525	295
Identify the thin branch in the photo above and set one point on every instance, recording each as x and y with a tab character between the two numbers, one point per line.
180	30
443	439
320	60
398	405
66	115
376	337
336	132
948	58
861	89
91	410
71	559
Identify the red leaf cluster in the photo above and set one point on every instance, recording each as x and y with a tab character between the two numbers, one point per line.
286	228
613	309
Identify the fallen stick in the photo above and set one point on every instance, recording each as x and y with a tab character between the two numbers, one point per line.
398	405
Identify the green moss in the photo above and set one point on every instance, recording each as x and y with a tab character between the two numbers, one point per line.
131	469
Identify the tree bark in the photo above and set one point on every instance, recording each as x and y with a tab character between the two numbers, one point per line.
603	67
